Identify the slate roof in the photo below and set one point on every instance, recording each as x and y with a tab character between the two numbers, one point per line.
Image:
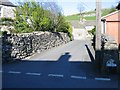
6	3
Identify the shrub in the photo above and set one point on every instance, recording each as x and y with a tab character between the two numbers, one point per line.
93	31
31	16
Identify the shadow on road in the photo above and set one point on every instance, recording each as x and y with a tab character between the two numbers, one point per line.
64	58
90	54
60	67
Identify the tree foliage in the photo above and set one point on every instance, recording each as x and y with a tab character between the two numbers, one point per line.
118	6
112	10
6	21
81	8
93	31
32	16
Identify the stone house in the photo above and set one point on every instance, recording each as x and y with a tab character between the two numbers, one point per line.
90	24
6	11
111	25
80	30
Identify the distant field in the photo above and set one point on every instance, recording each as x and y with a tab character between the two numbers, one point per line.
90	18
73	17
77	16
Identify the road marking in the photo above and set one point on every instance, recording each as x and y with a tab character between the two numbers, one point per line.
103	79
55	75
33	73
1	71
78	77
14	72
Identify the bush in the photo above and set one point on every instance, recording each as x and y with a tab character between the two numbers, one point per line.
112	10
0	33
64	26
31	16
3	33
70	32
93	31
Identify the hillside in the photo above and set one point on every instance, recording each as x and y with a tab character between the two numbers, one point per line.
90	15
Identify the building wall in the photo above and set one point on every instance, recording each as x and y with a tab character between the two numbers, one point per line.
112	30
7	11
102	27
119	33
79	33
113	26
113	17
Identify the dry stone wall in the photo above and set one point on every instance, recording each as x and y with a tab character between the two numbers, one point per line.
22	45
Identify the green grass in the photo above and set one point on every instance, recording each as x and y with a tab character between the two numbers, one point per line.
73	17
90	18
89	12
77	17
107	11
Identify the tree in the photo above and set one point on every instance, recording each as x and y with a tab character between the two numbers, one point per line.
21	14
118	6
8	22
81	9
32	16
113	9
55	11
64	26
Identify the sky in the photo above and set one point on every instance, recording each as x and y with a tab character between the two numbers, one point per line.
70	7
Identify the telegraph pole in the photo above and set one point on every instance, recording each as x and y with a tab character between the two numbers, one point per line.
98	25
98	34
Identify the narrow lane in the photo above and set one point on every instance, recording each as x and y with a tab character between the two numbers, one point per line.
66	66
76	49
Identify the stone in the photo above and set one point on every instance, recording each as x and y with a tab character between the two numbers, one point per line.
22	45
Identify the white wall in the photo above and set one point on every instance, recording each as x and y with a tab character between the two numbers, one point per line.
88	28
7	11
79	34
103	27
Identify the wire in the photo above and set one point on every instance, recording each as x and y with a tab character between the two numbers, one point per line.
86	6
